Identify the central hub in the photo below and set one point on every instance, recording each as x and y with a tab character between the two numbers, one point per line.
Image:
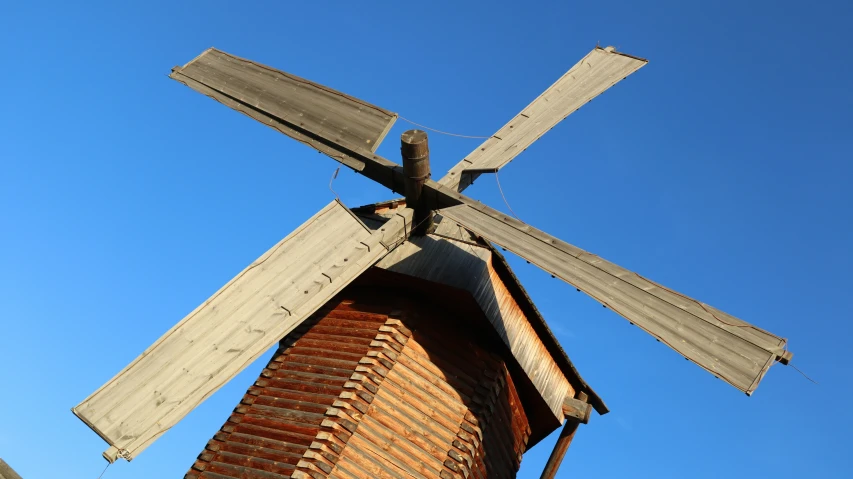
415	150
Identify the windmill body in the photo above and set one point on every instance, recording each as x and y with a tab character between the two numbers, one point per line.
406	345
394	376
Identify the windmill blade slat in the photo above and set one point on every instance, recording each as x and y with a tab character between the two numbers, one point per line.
731	349
236	325
295	106
599	70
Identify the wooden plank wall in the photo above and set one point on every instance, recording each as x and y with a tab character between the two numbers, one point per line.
374	387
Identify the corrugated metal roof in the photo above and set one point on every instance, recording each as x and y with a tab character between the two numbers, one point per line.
728	347
593	75
235	326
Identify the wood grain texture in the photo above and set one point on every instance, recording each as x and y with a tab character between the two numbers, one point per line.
295	106
576	409
728	347
457	258
235	326
560	449
451	256
595	73
6	471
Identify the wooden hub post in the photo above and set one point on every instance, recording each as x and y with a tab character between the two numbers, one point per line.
415	150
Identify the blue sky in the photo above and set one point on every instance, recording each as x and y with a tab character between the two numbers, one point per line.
721	169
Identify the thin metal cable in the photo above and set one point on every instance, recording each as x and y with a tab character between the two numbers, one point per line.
105	470
439	131
804	374
504	197
334	175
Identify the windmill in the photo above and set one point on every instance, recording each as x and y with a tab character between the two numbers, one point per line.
407	347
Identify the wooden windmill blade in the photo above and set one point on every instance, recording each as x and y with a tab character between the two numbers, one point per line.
593	75
731	349
325	119
529	383
235	326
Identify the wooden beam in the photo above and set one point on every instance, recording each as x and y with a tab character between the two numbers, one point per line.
414	148
565	439
576	409
560	449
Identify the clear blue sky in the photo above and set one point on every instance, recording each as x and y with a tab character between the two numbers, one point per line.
721	169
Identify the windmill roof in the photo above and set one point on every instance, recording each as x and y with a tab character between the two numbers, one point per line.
374	214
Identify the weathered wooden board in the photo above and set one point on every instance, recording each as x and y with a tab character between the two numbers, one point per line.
451	256
577	409
295	106
235	326
728	347
599	70
6	471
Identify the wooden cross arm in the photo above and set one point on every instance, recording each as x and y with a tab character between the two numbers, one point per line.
577	408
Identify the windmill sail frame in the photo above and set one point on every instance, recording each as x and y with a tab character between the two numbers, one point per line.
241	321
273	296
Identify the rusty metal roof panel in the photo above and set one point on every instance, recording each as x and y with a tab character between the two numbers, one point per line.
235	326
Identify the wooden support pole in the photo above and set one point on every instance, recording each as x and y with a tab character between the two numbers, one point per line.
415	150
563	442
